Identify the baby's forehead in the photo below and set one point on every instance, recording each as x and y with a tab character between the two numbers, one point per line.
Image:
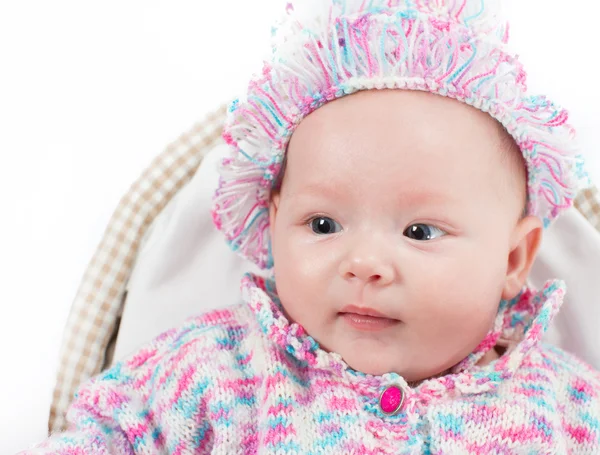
404	140
423	125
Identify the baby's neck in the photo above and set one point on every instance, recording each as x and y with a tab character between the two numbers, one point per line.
489	356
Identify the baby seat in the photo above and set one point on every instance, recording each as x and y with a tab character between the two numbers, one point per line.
161	261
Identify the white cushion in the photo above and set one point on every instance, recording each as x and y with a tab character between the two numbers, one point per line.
571	251
184	268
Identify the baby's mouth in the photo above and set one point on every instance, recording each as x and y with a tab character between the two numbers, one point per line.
366	319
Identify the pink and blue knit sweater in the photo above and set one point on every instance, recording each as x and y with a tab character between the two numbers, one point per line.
245	380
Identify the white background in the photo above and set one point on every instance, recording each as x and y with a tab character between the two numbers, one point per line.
90	92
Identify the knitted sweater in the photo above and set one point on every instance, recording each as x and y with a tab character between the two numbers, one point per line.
245	380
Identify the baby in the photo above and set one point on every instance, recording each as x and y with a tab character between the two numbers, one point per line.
390	170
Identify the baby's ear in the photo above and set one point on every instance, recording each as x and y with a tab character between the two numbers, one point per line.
273	207
525	243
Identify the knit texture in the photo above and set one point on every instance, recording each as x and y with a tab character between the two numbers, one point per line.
245	380
325	49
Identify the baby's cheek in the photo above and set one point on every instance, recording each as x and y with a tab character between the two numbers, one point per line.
301	274
291	260
459	292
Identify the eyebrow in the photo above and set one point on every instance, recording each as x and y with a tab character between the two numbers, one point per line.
407	198
316	190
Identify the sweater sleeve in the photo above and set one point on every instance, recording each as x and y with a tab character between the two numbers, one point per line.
122	411
104	418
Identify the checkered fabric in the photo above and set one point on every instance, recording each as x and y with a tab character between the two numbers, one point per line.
588	203
94	319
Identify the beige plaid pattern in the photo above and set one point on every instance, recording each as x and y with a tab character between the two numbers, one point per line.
96	310
588	203
95	314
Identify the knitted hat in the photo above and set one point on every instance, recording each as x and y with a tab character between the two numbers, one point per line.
325	49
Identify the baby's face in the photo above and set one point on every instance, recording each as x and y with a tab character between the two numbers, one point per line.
396	202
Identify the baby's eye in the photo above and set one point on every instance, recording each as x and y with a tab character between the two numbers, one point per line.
423	232
323	225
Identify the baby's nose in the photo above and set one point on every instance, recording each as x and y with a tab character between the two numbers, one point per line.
368	269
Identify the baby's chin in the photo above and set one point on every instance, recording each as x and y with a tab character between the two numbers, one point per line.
379	363
378	355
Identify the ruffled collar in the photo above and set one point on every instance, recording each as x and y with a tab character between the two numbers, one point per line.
519	325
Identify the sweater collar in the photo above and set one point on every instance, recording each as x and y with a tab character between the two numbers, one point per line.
519	324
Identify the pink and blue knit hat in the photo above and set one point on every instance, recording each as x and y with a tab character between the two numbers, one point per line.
325	49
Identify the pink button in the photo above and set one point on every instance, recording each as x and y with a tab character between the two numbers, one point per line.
391	400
